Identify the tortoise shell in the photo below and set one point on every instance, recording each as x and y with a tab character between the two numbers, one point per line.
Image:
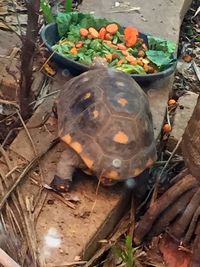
104	116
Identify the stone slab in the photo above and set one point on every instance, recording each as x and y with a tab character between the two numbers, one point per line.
158	17
186	105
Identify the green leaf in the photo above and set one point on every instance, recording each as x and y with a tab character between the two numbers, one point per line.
96	45
74	33
133	51
197	39
189	30
113	63
47	12
85	59
161	59
131	69
115	40
64	21
160	44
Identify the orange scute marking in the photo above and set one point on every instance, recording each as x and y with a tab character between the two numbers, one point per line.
111	174
95	114
136	172
121	138
122	101
77	147
67	138
89	163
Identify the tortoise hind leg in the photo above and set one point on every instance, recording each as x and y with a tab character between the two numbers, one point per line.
66	166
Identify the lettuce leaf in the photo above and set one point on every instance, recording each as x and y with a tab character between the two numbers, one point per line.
160	44
64	20
161	59
160	51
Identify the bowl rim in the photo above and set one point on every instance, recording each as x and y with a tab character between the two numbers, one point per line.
157	75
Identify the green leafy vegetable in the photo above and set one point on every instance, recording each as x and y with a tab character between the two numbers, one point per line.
64	21
159	58
159	44
96	45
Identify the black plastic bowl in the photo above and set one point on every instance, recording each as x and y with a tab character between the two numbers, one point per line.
50	36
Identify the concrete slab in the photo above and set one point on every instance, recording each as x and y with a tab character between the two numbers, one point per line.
95	214
158	17
186	105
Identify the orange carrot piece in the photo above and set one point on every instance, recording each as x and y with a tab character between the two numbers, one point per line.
134	62
130	35
167	128
90	36
102	33
108	37
125	53
121	61
79	44
109	57
113	46
130	59
93	32
83	32
107	42
121	46
115	55
112	28
73	51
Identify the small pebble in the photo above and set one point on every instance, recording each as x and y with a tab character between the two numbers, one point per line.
145	20
61	251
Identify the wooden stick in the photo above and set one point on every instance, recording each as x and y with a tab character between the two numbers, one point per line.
171	195
6	260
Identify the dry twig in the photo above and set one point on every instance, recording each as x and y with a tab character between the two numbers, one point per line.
6	260
173	193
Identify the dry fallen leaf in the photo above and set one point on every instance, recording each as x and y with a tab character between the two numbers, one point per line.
172	256
187	58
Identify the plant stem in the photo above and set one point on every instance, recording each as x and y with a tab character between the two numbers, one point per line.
27	56
68	5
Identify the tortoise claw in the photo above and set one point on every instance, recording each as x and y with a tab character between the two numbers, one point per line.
59	184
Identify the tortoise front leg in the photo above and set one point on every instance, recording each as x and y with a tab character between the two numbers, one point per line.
66	166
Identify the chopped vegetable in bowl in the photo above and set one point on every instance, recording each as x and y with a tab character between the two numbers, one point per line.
83	37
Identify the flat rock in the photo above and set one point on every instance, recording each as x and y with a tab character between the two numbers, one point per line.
186	105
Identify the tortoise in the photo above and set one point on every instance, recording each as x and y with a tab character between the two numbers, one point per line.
104	119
